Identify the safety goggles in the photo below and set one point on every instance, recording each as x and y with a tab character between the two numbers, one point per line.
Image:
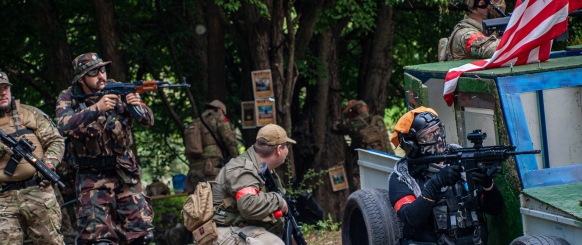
95	72
431	134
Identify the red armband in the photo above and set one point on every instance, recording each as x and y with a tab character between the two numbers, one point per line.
472	39
405	200
247	190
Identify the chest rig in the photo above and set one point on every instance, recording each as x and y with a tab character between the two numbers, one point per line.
109	135
457	217
12	124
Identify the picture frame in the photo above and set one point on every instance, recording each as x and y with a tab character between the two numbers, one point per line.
265	111
338	178
248	114
262	84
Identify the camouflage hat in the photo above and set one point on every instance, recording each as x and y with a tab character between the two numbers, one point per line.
4	78
217	104
274	134
86	62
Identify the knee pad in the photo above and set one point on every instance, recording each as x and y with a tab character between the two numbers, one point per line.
144	240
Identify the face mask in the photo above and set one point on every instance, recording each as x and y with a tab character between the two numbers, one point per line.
434	149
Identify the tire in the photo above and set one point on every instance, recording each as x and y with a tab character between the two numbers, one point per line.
539	240
368	218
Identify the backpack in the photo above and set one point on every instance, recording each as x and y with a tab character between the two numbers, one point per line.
197	213
193	140
371	134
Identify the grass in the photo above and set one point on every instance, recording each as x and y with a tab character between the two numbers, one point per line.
323	233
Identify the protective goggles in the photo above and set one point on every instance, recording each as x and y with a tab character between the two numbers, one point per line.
95	72
431	134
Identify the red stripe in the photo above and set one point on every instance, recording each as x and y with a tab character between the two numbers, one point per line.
245	191
471	39
405	200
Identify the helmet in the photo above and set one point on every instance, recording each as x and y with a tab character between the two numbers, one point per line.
426	131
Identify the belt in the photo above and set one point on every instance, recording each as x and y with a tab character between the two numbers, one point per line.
100	162
34	181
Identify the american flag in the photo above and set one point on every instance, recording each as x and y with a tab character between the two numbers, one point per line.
527	38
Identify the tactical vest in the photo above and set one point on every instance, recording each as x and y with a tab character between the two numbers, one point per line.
25	121
457	218
109	135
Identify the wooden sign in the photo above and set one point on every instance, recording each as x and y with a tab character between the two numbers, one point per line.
265	111
262	84
248	114
338	178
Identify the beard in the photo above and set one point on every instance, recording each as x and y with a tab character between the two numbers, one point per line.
482	6
5	109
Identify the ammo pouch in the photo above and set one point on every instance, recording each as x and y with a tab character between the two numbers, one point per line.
205	234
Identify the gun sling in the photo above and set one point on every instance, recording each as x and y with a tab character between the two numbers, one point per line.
34	181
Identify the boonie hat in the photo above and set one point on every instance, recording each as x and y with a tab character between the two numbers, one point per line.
4	79
274	134
217	104
86	62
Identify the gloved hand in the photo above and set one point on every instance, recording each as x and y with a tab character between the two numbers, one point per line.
4	150
446	177
483	179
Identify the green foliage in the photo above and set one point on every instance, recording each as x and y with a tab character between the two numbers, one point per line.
314	178
321	227
167	213
233	6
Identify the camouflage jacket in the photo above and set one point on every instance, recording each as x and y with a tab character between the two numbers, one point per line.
45	137
241	172
223	130
93	134
467	41
353	127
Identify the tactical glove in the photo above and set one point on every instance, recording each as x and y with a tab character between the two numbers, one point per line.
483	179
5	150
446	177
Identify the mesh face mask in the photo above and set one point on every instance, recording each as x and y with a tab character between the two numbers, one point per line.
431	135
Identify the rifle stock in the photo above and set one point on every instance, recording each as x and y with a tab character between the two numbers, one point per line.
292	228
23	149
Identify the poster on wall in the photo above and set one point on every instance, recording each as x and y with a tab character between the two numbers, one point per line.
262	84
265	111
338	178
248	114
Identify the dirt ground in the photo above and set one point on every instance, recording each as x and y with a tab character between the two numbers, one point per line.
324	238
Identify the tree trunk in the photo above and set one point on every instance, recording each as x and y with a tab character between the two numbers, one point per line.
58	56
325	107
109	39
217	83
376	69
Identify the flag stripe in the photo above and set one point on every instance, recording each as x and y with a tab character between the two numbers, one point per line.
527	38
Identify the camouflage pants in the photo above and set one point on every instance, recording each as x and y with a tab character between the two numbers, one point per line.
201	170
111	210
256	236
34	209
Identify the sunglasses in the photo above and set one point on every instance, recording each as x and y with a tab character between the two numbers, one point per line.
95	72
